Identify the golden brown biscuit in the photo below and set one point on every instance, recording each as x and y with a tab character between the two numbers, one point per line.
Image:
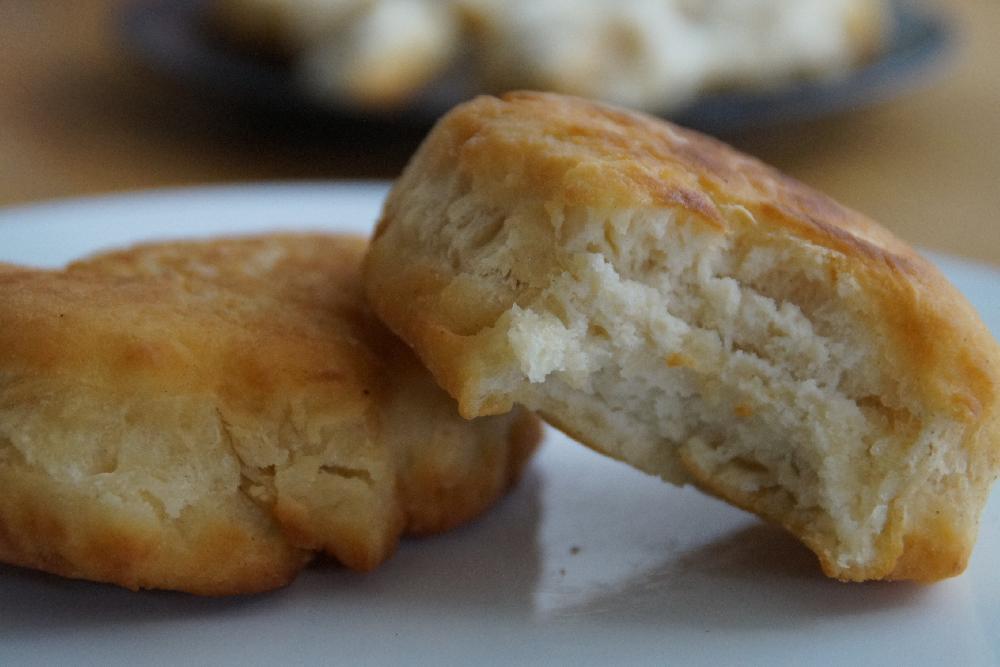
206	416
685	308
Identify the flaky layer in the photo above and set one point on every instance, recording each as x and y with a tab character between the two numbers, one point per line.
687	309
206	416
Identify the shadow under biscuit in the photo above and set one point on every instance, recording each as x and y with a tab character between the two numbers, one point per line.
491	563
753	578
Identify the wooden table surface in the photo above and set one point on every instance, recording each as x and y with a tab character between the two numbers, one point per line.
77	117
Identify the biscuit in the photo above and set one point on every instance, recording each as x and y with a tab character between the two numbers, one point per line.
685	308
653	54
207	416
662	54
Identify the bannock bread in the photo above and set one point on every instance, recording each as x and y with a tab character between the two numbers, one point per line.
207	416
686	309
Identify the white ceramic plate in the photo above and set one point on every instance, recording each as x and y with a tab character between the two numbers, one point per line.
586	562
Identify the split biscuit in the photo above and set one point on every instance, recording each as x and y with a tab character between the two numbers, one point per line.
685	308
207	416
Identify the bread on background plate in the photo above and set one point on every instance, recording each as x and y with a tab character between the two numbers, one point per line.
207	416
687	309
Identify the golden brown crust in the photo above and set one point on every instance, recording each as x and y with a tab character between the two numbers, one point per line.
277	412
934	551
10	268
433	499
528	154
45	526
566	151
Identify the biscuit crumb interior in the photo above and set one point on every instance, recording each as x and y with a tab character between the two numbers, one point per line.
736	360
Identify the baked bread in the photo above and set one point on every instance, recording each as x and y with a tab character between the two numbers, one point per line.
686	309
660	54
653	54
206	416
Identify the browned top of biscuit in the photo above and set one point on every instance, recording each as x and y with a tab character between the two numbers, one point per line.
590	154
135	330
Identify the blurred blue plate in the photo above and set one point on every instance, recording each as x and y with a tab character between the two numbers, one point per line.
172	37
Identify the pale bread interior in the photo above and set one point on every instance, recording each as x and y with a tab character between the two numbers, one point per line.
741	359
